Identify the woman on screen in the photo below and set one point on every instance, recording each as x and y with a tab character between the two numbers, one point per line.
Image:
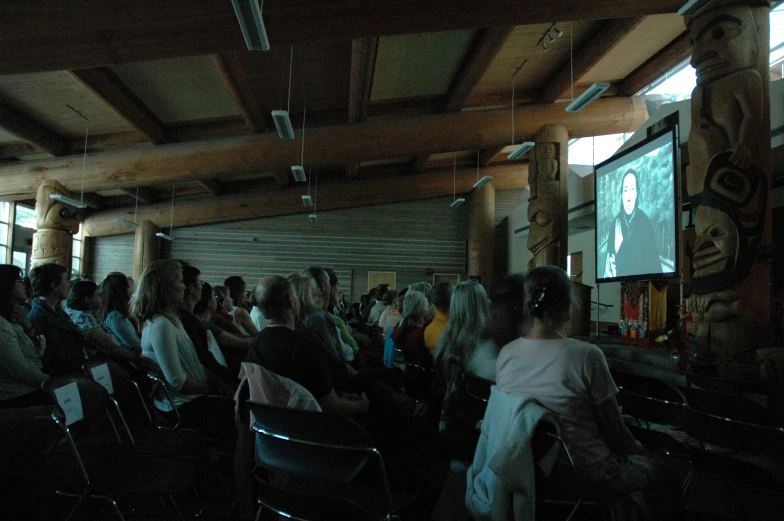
631	248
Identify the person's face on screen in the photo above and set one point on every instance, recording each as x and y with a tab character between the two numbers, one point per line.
629	194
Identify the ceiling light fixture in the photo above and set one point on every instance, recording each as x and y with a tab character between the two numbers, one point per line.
307	200
692	7
314	216
253	30
299	173
486	179
548	35
526	145
65	199
521	150
281	117
590	94
171	222
301	164
456	201
133	223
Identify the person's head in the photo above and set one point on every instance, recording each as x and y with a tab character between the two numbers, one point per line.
390	297
308	295
548	296
11	289
28	288
236	287
191	277
116	293
341	297
276	300
415	305
50	281
507	309
207	302
381	290
372	294
442	296
469	324
223	296
159	291
629	196
321	277
84	296
334	293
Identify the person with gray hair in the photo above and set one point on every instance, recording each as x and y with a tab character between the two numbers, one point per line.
410	335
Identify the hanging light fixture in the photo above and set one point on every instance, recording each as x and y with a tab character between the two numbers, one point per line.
485	179
249	16
314	217
69	200
526	145
171	222
281	117
548	36
299	170
456	201
133	223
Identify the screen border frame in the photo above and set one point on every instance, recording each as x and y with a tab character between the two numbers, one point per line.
672	128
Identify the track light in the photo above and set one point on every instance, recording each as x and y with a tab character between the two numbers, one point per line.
299	173
544	45
126	222
307	200
590	94
457	202
164	236
550	35
67	200
252	26
558	32
521	150
313	218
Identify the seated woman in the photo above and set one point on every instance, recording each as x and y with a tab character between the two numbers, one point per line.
200	397
391	315
84	301
572	379
409	336
116	297
239	313
465	346
21	371
222	316
256	315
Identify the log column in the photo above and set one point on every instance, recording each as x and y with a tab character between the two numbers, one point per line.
481	212
548	206
56	223
729	178
146	248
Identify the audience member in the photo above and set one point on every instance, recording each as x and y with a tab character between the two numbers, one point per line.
84	300
409	335
21	371
321	322
27	305
343	331
239	299
572	379
258	318
391	315
155	303
222	316
507	309
367	305
116	298
441	297
379	306
64	351
465	346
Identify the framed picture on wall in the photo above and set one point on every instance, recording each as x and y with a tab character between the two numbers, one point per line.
381	277
452	278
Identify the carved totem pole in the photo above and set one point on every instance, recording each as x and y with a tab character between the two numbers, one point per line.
729	177
56	223
548	205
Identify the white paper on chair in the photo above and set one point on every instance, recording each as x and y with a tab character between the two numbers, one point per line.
70	402
102	376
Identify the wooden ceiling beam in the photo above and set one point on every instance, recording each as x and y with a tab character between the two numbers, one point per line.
236	82
363	64
605	39
16	149
331	146
282	178
332	196
105	84
31	131
51	35
145	194
213	186
487	155
674	53
485	46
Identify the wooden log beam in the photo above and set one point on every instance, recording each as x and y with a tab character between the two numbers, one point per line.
363	64
286	201
236	82
487	155
105	84
31	131
52	35
330	146
606	38
674	53
213	186
484	48
145	195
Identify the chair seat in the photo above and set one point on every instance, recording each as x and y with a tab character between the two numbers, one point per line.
660	441
165	442
116	472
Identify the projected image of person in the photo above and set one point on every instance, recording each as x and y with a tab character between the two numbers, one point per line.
631	247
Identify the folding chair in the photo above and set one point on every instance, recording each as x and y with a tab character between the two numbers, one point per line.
307	462
649	399
91	464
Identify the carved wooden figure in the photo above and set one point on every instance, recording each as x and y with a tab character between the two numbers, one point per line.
547	206
729	177
56	223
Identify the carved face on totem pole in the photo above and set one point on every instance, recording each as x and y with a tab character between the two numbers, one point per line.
543	179
724	41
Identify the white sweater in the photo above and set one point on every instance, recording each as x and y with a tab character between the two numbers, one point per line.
20	362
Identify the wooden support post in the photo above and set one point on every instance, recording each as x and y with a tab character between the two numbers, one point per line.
56	223
481	212
548	207
147	247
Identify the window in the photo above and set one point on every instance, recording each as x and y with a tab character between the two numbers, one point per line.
76	255
5	230
574	266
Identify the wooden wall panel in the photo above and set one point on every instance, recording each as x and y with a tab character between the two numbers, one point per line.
108	254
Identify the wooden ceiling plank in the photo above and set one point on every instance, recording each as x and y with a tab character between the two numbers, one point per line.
105	84
145	194
286	201
55	35
606	38
236	82
677	51
331	146
213	186
363	64
31	131
486	155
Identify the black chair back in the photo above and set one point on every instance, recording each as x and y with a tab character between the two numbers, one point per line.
91	396
649	399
